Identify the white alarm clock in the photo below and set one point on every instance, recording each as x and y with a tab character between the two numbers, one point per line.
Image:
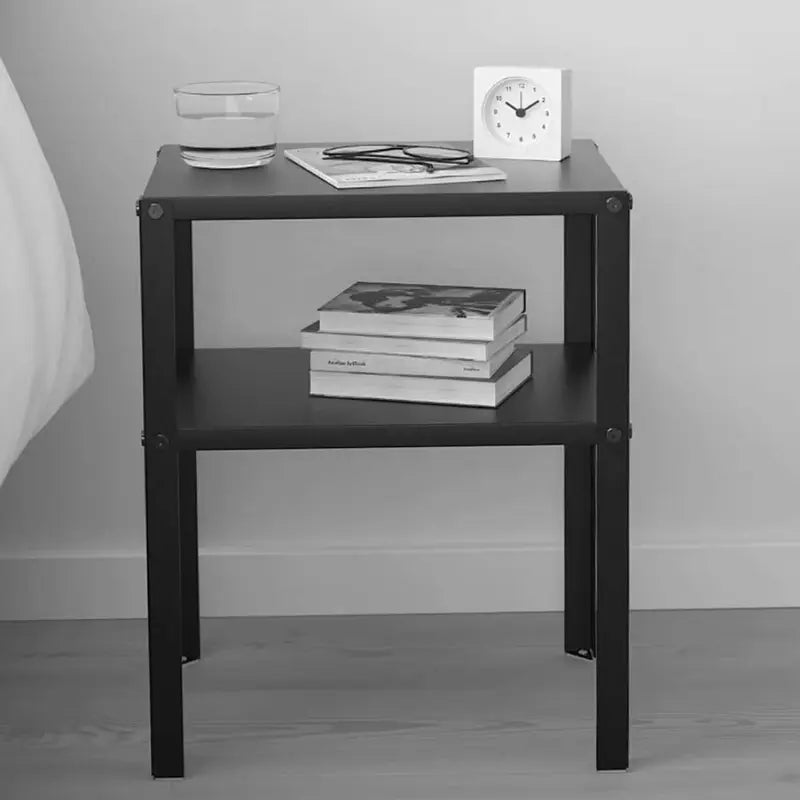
522	112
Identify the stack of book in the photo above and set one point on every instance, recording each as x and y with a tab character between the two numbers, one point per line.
419	343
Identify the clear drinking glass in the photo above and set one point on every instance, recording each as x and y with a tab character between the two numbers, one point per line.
227	124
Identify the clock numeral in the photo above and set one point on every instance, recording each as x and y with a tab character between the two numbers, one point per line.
543	127
520	138
498	97
547	113
508	134
508	88
522	86
499	125
543	100
495	111
533	136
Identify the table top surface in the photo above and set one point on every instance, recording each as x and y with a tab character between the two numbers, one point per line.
280	188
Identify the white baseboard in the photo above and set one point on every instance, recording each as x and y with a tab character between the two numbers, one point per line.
390	581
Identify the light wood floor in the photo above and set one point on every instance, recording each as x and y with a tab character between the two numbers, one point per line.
463	707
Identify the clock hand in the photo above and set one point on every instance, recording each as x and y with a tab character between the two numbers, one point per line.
531	105
520	99
520	112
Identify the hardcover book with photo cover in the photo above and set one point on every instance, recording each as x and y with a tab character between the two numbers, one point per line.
398	309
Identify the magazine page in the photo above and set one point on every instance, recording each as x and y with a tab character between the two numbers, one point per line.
341	173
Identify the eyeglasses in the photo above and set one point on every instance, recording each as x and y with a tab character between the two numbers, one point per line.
432	157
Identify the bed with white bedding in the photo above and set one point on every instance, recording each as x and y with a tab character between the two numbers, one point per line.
46	346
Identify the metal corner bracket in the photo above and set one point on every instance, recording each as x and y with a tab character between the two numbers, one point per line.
158	441
615	204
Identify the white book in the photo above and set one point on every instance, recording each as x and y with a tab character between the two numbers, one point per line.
382	364
411	388
426	310
365	174
312	338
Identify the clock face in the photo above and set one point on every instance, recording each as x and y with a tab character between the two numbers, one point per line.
518	112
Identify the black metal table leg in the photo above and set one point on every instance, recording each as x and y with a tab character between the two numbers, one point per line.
579	555
612	346
184	336
612	606
579	459
164	613
157	232
190	580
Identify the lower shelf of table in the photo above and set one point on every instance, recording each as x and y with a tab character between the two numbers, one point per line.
257	399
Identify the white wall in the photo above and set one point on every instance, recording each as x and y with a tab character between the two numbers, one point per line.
692	105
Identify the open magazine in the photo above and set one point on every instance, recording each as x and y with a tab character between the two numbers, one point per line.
365	174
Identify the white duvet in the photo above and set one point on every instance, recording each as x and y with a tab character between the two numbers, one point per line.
46	347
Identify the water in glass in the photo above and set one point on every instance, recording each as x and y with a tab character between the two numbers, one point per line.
227	125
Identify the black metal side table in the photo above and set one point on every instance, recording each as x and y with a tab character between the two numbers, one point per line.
236	399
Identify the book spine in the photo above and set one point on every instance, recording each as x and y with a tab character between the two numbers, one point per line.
395	345
411	325
332	361
403	388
